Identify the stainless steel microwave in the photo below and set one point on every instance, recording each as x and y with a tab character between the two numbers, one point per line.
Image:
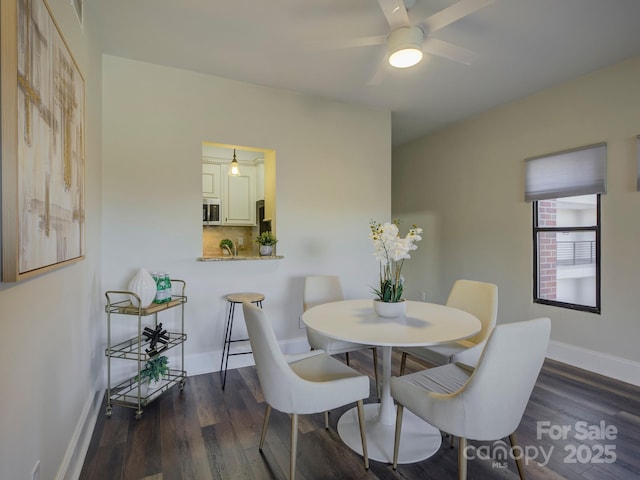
211	211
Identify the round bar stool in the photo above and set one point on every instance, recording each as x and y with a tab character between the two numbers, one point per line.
233	299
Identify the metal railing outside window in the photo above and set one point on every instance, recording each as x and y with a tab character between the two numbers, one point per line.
576	252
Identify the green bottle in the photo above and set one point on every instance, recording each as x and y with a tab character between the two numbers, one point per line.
161	288
167	284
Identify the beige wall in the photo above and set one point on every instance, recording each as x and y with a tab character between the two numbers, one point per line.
51	354
143	206
333	165
465	185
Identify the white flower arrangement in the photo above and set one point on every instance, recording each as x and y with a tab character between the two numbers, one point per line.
391	251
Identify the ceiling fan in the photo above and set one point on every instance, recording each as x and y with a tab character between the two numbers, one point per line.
408	40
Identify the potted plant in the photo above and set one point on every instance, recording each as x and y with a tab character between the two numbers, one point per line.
266	240
391	250
151	375
226	246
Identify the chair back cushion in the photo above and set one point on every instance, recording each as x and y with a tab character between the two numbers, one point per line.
497	393
479	299
274	373
319	289
310	383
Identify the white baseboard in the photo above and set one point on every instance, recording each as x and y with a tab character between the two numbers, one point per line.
201	363
77	449
597	362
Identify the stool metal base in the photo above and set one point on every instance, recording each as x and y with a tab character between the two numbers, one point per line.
233	299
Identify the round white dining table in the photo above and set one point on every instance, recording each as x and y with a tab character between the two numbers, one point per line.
424	324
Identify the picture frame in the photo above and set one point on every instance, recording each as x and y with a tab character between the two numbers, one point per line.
43	130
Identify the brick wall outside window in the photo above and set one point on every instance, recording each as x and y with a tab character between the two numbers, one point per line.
547	250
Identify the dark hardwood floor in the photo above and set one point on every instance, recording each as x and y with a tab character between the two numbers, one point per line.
204	433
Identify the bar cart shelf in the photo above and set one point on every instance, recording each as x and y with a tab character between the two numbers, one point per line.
130	393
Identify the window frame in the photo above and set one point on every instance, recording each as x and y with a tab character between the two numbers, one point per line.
597	231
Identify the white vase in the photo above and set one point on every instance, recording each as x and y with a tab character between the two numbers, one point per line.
390	309
144	286
266	250
147	388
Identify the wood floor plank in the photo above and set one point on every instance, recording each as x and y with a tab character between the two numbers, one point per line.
116	429
322	456
107	463
226	460
267	463
260	467
251	381
207	396
143	453
184	452
241	413
205	433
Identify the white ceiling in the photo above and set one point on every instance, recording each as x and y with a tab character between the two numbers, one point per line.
523	46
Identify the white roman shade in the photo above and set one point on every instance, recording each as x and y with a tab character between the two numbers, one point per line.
570	173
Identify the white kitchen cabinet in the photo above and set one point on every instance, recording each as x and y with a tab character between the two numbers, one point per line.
211	180
239	197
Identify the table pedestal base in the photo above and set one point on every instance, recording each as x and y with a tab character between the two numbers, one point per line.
418	440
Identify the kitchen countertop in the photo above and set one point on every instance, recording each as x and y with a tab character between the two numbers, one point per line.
231	258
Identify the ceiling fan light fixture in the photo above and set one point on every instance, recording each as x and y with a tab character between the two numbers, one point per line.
405	47
405	58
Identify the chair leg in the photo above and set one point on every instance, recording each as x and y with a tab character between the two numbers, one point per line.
326	420
403	363
519	464
375	370
347	357
396	443
294	445
452	441
462	459
363	435
265	424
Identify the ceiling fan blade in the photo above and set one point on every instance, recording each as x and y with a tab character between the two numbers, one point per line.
378	75
395	12
338	44
453	13
449	51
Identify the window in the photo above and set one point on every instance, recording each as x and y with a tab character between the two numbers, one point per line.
565	189
567	252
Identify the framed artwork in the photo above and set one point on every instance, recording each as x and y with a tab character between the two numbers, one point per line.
42	103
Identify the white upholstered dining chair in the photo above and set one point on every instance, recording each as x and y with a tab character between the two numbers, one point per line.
319	289
486	403
312	382
477	298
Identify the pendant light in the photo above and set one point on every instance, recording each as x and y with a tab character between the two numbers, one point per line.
234	170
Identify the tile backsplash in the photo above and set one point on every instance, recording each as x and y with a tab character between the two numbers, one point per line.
211	236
